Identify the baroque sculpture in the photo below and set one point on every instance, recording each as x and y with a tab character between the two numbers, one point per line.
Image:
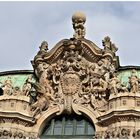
70	79
115	85
7	87
108	45
77	77
78	20
27	86
134	82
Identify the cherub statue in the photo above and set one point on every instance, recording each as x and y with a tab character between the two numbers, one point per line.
78	20
79	29
85	94
97	71
108	67
100	89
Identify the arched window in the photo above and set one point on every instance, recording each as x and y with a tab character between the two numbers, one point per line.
68	126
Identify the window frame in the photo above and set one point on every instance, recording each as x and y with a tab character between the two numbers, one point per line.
65	118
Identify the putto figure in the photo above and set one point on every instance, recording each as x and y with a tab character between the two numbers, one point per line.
78	20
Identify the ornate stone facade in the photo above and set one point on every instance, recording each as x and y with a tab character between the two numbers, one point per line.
75	76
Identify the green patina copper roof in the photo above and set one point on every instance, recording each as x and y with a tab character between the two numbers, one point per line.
17	78
124	75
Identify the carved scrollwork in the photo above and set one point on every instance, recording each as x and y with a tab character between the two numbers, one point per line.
121	133
74	77
72	80
136	134
5	134
15	134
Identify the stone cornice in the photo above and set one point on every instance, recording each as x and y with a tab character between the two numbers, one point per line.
18	117
16	72
112	116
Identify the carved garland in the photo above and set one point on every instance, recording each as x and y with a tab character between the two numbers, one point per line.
72	79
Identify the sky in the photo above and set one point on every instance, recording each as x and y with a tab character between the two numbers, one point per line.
24	25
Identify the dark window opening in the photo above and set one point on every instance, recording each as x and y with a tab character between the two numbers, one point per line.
1	91
68	126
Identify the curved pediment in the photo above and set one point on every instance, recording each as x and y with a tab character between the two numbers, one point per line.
90	51
74	77
74	72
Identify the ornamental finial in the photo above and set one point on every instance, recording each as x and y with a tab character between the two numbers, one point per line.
79	20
